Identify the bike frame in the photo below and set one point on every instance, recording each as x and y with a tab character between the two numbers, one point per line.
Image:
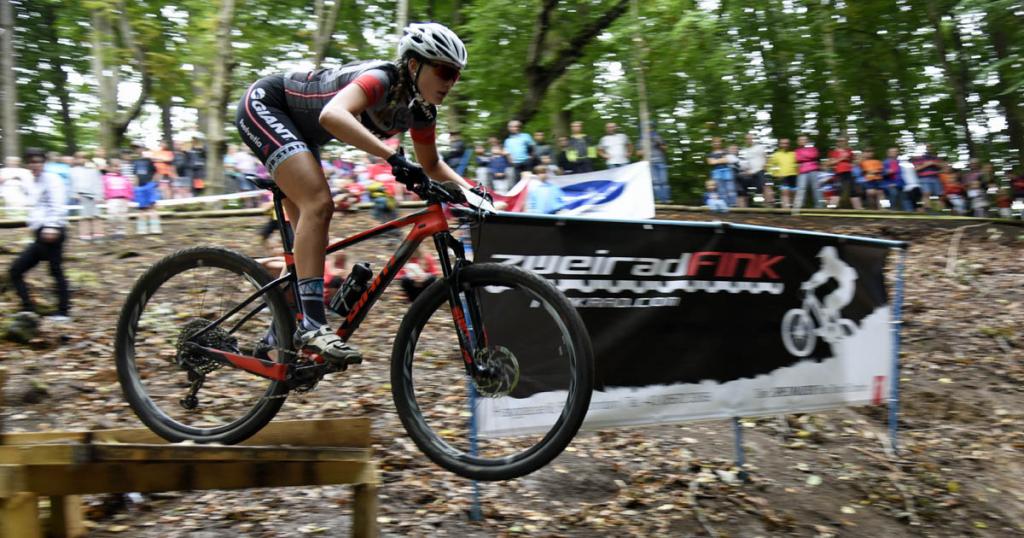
430	222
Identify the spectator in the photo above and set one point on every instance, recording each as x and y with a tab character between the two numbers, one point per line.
183	185
892	179
55	164
146	193
562	159
614	147
455	157
117	190
911	187
782	167
383	201
163	160
929	167
826	187
722	172
873	178
751	177
953	190
519	148
14	181
541	148
418	273
499	166
807	171
840	161
87	182
543	196
552	168
197	166
47	220
483	160
712	199
659	168
1017	185
99	158
976	197
580	153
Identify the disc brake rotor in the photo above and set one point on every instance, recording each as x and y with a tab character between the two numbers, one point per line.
497	373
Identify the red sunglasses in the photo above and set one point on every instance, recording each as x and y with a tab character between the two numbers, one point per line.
446	72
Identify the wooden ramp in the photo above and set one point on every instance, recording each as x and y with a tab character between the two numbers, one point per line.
65	465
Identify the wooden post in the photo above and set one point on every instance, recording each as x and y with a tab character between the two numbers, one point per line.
66	520
19	516
364	506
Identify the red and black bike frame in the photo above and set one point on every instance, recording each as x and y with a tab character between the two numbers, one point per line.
430	222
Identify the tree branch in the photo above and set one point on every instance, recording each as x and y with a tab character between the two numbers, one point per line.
128	35
574	50
543	25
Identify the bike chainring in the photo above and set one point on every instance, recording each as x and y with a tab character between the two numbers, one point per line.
497	371
216	338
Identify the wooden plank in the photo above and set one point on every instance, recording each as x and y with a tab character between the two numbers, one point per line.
93	478
364	509
96	453
66	517
19	516
346	432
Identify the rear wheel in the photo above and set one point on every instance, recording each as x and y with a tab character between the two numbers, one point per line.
158	371
528	394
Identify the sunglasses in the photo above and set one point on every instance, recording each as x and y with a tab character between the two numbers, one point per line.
446	72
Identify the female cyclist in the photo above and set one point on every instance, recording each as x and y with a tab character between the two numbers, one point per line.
285	119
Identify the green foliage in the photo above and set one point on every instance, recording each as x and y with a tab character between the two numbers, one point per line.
868	69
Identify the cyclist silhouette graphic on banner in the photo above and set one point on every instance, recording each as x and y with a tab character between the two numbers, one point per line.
801	327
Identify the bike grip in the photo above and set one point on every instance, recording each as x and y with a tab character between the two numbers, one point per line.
454	191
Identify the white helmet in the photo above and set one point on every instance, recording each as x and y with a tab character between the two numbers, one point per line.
433	41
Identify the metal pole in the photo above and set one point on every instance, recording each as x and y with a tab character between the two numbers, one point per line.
897	323
738	435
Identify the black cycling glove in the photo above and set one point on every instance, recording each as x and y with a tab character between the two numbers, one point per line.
405	172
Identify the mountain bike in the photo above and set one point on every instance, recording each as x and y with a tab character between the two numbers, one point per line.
205	352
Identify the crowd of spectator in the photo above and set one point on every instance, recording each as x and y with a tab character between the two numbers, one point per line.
860	179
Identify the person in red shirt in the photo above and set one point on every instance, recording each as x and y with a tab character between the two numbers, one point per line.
873	174
840	159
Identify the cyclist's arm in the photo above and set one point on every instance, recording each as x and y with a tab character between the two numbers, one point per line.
341	118
427	157
816	280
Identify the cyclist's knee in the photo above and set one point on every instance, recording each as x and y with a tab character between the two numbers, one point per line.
320	209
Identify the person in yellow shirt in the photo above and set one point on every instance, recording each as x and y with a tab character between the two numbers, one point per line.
782	167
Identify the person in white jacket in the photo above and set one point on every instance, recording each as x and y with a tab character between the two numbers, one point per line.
47	219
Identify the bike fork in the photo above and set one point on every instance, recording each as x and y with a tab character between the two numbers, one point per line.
465	307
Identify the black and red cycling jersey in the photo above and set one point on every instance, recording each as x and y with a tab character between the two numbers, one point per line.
279	115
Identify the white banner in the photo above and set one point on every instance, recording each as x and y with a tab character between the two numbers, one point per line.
619	193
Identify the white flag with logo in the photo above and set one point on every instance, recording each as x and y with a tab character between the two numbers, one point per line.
622	193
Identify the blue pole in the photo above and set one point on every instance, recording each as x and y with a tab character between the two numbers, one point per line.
738	435
475	513
897	323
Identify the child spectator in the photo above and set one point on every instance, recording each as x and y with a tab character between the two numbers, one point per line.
712	200
953	190
976	197
872	169
14	182
912	193
543	196
147	192
826	188
419	272
498	167
87	183
840	160
163	160
383	202
117	190
483	175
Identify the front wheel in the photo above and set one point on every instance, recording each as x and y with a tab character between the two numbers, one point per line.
798	333
526	394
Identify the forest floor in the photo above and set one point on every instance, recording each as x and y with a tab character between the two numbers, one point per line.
959	471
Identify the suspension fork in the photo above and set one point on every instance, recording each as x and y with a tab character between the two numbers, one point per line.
471	332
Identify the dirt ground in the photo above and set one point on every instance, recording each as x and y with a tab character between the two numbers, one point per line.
959	471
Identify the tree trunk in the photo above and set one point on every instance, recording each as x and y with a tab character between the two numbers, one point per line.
539	76
105	78
956	77
216	106
1008	100
8	87
402	17
326	22
166	129
60	80
122	120
775	62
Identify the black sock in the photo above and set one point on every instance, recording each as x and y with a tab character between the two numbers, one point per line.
311	294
